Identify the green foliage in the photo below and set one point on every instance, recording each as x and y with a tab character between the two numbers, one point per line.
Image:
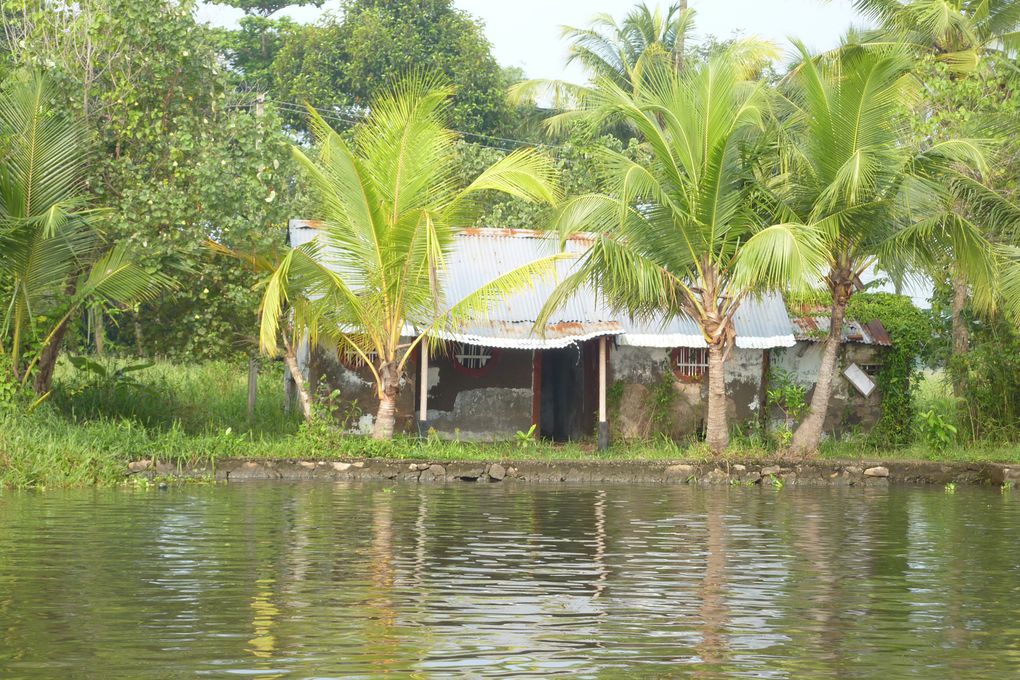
527	439
937	432
253	46
786	393
990	407
577	166
661	400
790	397
178	157
352	57
264	8
10	389
911	330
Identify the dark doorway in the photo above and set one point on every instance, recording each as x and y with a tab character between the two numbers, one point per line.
568	400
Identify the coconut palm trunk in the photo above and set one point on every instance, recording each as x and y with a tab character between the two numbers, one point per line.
291	362
389	388
961	337
43	379
808	436
717	433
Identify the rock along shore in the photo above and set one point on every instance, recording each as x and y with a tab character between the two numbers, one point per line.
815	473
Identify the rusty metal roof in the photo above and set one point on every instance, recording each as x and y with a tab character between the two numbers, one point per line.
815	328
480	255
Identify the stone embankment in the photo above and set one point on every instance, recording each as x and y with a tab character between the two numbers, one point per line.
815	473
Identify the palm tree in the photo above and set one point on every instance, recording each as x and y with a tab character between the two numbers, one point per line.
391	206
626	52
619	51
53	262
677	232
848	168
959	33
962	34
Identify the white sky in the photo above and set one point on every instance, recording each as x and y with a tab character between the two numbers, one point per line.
526	33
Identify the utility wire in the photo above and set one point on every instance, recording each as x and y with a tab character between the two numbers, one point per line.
293	107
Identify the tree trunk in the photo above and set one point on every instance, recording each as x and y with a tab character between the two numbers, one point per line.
808	436
717	433
43	380
139	337
100	334
386	416
681	42
304	399
961	337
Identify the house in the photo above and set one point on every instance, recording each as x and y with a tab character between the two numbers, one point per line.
590	367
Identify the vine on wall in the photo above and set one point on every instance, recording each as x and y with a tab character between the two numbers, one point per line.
911	330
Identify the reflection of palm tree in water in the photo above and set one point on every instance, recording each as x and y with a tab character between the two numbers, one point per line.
813	542
420	537
712	648
380	610
263	643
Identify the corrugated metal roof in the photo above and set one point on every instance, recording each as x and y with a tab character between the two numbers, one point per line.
815	328
480	255
760	323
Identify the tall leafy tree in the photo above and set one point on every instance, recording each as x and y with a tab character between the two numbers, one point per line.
349	58
179	156
677	231
849	168
254	44
53	260
266	8
391	207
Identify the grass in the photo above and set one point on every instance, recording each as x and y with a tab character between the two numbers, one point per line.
197	399
90	429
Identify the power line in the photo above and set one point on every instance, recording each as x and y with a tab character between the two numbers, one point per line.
293	107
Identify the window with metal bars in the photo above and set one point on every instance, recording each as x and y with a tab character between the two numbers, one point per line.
472	357
689	363
353	361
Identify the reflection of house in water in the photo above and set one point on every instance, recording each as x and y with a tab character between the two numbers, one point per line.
497	376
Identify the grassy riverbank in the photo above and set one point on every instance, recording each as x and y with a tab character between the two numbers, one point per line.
91	428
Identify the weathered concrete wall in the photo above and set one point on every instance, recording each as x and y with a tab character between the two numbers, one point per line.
638	372
849	409
493	404
497	402
358	400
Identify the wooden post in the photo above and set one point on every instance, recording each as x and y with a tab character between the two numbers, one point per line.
603	416
536	392
253	385
763	394
423	389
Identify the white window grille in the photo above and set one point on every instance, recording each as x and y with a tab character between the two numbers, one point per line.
690	363
353	360
473	357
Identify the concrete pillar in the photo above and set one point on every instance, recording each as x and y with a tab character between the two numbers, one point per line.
423	389
603	415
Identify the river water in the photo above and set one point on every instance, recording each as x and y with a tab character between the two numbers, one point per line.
358	580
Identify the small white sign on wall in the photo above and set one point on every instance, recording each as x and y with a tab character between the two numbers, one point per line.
859	379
